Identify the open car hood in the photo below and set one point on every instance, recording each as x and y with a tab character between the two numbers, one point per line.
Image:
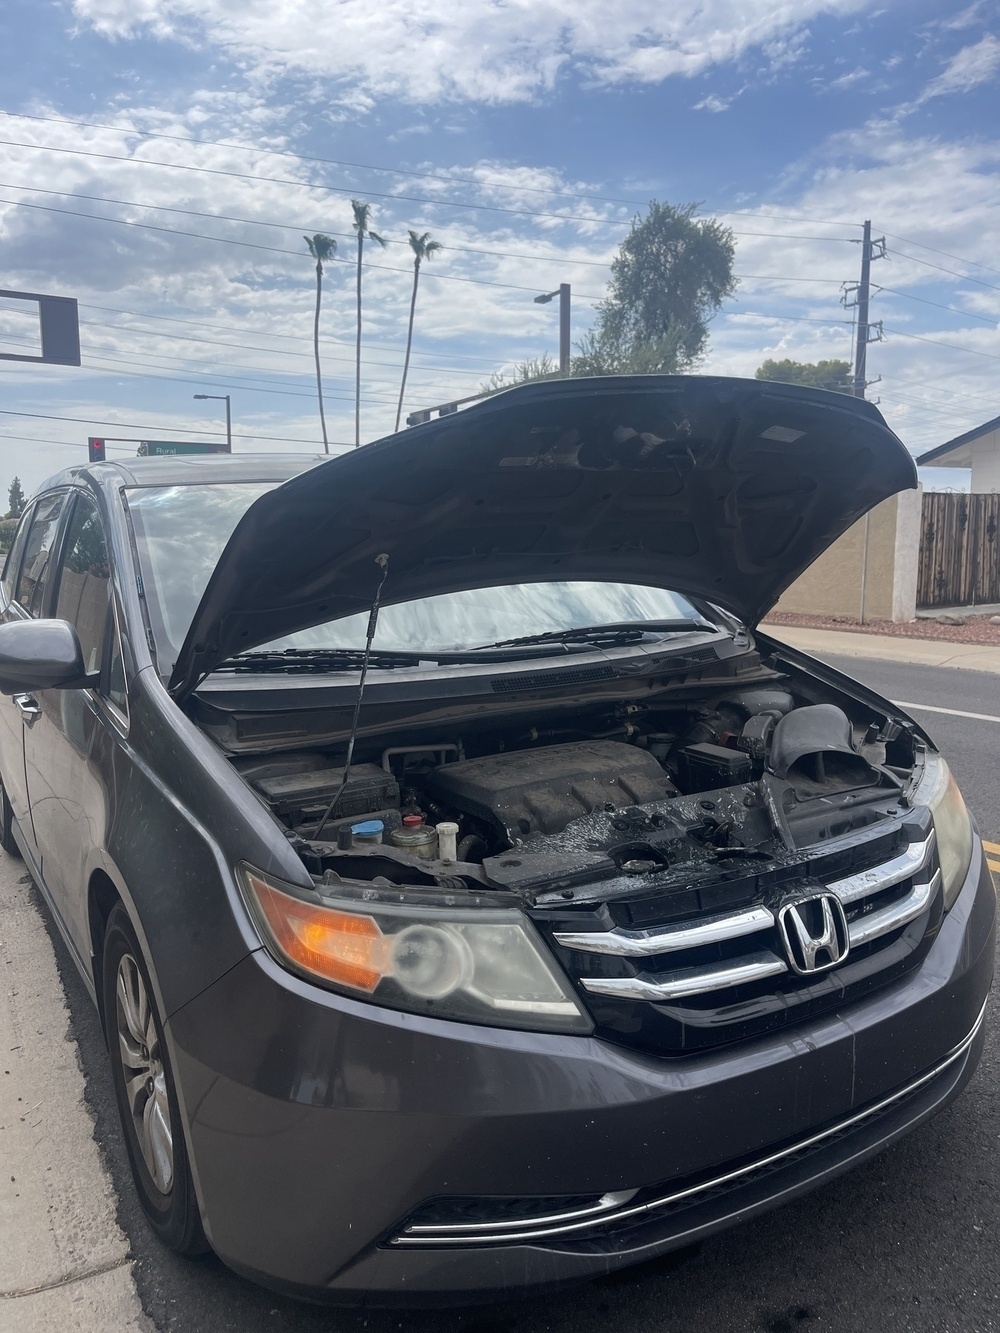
723	489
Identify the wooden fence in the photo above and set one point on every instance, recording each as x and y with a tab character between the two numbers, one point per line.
959	550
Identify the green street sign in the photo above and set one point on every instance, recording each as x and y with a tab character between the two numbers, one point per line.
164	448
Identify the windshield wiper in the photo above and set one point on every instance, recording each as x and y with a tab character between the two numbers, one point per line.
317	660
323	661
608	636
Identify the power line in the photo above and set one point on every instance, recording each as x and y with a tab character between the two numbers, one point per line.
917	337
934	380
273	249
269	351
968	314
785	319
895	395
966	277
222	383
292	337
947	253
149	431
340	190
64	444
285	226
402	171
346	235
309	185
224	373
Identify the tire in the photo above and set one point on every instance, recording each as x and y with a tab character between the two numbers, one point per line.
144	1090
7	827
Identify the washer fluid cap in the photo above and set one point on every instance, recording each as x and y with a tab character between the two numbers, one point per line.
369	828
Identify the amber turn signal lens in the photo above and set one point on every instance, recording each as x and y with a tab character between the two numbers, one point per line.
348	949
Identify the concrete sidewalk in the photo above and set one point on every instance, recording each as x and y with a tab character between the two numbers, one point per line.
884	648
64	1261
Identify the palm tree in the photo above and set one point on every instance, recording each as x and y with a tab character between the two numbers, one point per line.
322	248
362	217
423	247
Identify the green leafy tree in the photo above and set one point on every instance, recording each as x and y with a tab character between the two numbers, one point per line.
834	375
672	274
525	372
15	497
322	248
362	225
423	247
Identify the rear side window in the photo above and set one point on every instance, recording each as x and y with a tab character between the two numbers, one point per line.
84	581
36	568
13	561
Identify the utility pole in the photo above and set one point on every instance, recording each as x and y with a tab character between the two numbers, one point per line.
866	331
864	335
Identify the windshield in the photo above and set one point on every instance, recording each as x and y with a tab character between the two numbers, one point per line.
181	532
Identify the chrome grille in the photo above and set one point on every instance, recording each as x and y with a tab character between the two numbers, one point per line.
873	913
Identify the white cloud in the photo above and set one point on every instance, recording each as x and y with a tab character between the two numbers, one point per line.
252	308
849	79
713	103
964	19
936	200
482	50
970	67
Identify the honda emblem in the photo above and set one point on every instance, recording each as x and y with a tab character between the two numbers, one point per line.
815	934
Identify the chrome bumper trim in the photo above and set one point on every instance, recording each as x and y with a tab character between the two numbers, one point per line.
530	1233
606	1203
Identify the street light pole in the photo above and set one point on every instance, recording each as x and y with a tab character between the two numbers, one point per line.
563	293
223	398
564	328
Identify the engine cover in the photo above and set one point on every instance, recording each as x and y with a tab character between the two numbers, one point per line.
527	793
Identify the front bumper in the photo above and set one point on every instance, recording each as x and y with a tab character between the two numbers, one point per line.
317	1125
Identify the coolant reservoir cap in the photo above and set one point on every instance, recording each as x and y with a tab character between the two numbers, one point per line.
369	827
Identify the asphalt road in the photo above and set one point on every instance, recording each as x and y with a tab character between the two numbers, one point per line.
908	1242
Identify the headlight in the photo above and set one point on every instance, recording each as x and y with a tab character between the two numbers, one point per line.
482	966
938	790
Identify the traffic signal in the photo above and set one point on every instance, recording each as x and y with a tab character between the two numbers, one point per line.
95	449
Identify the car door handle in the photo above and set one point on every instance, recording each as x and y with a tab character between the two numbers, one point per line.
28	707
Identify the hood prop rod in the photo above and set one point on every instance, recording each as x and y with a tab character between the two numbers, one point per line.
383	562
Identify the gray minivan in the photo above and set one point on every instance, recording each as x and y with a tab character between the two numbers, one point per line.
473	899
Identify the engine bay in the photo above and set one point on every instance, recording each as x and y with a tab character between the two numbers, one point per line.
620	797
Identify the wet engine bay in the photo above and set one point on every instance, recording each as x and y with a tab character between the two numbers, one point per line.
619	800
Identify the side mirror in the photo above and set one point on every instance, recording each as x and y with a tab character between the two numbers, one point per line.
41	655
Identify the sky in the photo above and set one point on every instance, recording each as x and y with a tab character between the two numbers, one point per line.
162	160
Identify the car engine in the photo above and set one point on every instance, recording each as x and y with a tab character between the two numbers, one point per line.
621	796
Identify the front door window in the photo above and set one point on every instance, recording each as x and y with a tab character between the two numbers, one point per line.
36	567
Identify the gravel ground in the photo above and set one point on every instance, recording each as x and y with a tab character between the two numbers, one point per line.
973	629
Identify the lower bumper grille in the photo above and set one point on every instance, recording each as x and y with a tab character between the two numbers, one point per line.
599	1213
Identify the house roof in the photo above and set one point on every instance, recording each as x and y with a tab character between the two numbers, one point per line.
956	452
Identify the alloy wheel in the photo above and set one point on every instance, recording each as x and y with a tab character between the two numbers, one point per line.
142	1067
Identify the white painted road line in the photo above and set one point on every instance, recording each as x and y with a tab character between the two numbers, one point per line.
952	712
